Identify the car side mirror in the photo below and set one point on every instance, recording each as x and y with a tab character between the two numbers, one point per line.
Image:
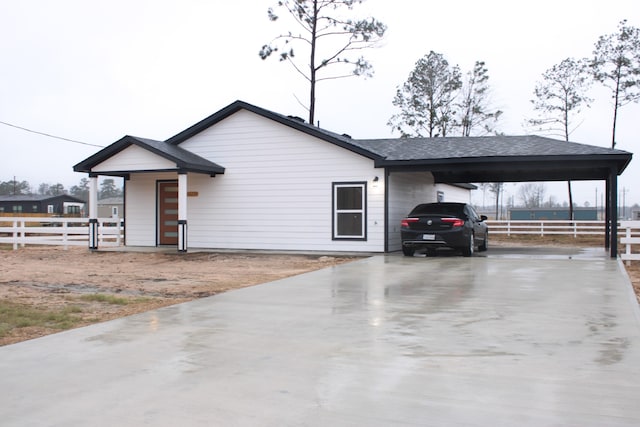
483	218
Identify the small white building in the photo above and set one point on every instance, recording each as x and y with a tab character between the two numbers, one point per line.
249	178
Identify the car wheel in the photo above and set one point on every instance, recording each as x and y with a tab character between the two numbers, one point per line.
407	251
485	245
468	250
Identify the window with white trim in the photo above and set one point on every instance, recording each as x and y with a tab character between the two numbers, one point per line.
349	210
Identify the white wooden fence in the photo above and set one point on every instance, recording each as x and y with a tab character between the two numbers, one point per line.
628	231
545	227
629	235
21	231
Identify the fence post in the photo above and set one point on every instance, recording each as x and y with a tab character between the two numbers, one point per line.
65	234
509	228
575	230
119	229
628	245
23	234
542	228
15	234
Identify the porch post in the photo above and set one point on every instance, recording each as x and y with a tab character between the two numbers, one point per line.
93	212
182	212
613	215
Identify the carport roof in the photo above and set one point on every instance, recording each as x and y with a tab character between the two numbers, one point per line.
457	159
497	158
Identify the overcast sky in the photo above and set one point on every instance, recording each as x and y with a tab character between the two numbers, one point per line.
95	71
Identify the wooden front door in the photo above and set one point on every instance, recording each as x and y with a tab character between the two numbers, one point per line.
168	213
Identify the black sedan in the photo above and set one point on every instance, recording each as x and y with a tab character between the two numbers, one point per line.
453	225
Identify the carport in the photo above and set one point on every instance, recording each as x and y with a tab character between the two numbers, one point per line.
507	159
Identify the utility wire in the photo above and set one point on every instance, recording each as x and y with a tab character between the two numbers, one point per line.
49	135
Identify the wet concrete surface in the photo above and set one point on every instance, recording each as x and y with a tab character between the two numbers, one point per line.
510	337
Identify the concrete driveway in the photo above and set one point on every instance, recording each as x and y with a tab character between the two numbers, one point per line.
513	338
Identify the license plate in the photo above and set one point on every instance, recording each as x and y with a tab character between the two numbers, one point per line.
428	237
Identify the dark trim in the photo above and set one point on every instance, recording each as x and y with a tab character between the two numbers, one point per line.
184	159
365	208
386	210
183	245
614	212
607	213
124	210
93	233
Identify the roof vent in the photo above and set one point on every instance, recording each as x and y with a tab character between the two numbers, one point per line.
346	135
299	119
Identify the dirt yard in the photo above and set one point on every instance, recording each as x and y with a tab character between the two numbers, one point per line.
90	287
75	287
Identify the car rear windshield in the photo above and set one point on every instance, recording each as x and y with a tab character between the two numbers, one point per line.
438	209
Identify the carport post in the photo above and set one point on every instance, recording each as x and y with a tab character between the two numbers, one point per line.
607	216
613	206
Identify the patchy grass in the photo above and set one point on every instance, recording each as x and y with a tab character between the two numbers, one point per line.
104	298
14	316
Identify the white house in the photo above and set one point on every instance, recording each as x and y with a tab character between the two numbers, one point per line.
249	178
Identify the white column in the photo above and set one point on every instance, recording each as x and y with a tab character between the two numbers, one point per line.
93	212
182	212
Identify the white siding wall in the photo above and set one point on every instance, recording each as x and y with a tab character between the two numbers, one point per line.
454	194
134	158
276	192
140	215
406	190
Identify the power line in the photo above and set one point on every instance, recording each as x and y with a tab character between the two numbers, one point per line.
49	135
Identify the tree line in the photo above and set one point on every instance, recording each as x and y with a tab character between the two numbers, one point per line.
438	99
106	189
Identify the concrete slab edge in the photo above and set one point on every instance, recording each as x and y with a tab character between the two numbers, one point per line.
635	307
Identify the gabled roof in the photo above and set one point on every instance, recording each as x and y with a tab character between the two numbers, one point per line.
451	159
343	141
185	161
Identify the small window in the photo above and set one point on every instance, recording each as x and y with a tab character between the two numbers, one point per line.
114	211
73	210
49	209
349	211
17	208
34	208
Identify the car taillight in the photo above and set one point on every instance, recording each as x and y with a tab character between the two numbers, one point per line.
406	221
455	222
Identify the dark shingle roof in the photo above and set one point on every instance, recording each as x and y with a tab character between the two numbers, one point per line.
184	160
476	147
38	198
451	159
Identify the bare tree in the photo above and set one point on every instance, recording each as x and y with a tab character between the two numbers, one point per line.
559	97
532	194
496	188
616	64
475	111
327	38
